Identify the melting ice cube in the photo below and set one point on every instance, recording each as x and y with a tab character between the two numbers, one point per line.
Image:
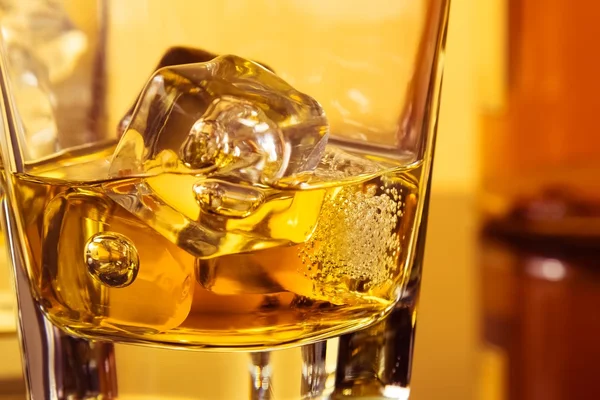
206	138
228	116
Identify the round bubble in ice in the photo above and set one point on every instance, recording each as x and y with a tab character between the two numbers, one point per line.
227	199
112	259
235	134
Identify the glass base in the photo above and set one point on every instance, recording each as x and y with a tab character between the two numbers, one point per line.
349	367
373	363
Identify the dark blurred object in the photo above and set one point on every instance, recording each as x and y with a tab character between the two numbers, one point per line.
553	215
540	317
540	147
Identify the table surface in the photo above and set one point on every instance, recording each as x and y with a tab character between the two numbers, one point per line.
496	321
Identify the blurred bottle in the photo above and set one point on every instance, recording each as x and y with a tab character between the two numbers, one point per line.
540	327
540	101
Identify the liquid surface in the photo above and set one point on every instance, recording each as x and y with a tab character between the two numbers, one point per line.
318	261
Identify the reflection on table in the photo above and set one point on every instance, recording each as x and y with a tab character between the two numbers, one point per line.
540	321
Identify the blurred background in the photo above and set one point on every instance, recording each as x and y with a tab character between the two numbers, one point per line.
512	275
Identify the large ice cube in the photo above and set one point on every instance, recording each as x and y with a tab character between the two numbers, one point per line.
203	145
228	116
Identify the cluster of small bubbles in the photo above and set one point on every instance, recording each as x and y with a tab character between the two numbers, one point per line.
395	194
356	242
337	164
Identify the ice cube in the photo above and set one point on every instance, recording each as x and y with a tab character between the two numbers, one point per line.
35	101
178	55
46	31
204	142
228	116
43	48
155	298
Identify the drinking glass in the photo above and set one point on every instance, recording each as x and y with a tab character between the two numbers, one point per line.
218	199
